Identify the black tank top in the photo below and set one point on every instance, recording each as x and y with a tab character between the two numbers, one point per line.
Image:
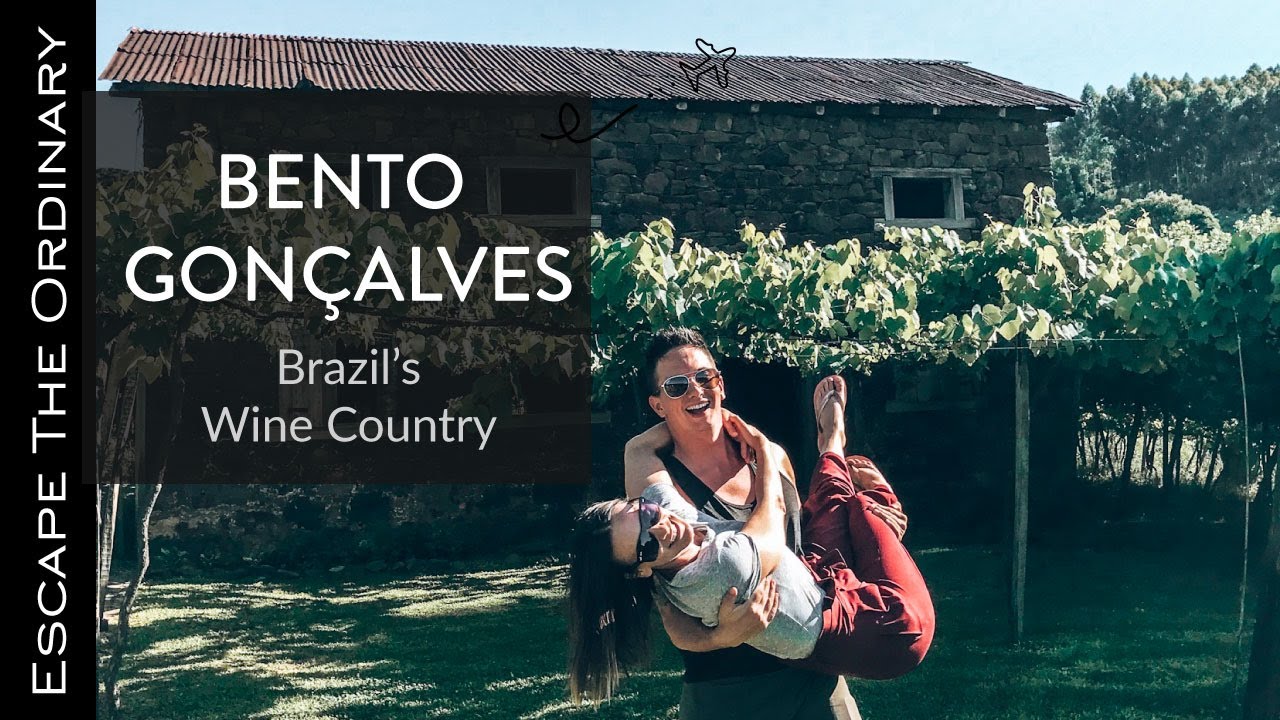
743	660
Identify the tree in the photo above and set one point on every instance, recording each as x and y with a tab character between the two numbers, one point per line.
176	206
1164	209
1215	141
1081	161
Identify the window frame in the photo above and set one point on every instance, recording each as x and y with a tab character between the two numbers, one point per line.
953	202
581	167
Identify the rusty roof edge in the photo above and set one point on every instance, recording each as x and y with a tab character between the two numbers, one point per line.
144	86
572	48
131	88
217	45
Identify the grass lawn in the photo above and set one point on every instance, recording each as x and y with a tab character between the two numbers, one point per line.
1112	635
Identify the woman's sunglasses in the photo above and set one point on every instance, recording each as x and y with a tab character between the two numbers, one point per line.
647	546
677	385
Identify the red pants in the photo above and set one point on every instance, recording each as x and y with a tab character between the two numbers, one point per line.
878	616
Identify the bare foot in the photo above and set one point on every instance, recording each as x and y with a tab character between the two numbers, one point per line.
828	409
864	473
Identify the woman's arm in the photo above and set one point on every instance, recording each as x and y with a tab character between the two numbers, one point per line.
768	521
737	623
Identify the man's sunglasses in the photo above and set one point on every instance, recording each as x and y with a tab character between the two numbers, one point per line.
647	546
677	385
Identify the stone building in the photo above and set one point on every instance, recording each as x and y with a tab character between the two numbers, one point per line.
829	148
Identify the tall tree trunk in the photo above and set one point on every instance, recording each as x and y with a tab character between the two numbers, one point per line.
1104	462
110	503
1264	496
1172	455
1097	446
111	675
1131	445
121	386
1210	478
1267	480
1198	457
109	697
1104	451
110	372
1082	457
1164	448
1148	455
1178	440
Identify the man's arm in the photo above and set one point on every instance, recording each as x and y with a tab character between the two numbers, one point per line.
736	623
641	466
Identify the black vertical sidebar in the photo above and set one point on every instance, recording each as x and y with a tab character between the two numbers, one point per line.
56	483
84	504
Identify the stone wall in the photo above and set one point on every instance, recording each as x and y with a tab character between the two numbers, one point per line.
709	170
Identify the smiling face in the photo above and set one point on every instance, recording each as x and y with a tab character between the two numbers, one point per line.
697	411
678	540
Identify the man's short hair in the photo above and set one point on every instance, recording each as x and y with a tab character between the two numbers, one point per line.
663	342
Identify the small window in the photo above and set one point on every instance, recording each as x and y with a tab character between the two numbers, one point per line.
921	198
540	192
537	191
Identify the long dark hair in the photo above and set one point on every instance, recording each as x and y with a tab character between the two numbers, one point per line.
608	609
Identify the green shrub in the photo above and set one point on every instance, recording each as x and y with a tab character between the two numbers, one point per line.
1165	209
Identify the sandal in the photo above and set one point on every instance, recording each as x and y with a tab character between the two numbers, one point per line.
831	388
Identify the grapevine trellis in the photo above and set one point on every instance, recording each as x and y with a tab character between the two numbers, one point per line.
1106	294
1053	288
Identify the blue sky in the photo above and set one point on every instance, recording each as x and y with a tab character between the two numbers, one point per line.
1053	45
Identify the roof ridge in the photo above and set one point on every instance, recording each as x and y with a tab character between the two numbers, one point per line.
574	48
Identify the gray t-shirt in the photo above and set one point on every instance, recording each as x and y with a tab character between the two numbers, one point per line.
729	558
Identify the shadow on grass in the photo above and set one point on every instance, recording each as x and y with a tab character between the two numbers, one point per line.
486	644
1110	635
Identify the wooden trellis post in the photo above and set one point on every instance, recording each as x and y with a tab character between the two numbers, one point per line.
1021	467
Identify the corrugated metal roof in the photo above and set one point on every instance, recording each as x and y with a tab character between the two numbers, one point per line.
228	60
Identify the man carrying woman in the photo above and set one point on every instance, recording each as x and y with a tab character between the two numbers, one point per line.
705	468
